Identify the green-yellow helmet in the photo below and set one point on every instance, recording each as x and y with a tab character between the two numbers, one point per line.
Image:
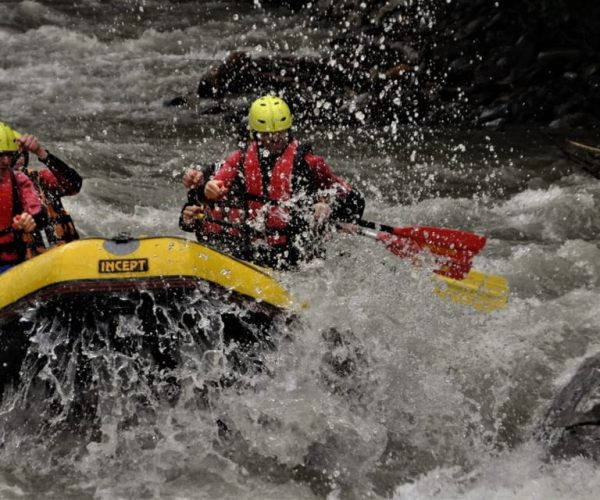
8	139
269	114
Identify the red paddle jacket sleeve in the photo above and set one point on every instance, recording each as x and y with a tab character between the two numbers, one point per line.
324	177
28	195
348	204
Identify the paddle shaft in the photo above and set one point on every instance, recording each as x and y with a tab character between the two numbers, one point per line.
375	225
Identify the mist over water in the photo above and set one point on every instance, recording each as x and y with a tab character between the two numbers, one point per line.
413	397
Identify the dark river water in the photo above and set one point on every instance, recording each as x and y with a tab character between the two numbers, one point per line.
445	400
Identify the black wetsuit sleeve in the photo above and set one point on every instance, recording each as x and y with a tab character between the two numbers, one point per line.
182	226
195	196
41	219
304	179
350	208
208	171
65	173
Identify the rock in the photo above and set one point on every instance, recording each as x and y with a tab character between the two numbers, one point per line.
410	54
591	70
216	80
389	8
572	425
495	124
474	26
524	52
575	120
431	56
503	62
559	56
570	76
175	101
290	4
395	72
571	106
240	73
499	111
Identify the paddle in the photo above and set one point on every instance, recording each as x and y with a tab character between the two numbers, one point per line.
482	291
587	156
453	250
456	280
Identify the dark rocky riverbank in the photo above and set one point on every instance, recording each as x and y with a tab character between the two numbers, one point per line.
481	63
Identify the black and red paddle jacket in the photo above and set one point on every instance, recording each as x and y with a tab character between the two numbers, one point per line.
308	181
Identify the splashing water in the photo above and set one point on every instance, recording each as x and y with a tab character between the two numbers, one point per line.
380	389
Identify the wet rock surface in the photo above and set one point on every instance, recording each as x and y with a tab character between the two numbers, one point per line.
481	63
572	425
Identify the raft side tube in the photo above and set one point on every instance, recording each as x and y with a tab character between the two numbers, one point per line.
97	264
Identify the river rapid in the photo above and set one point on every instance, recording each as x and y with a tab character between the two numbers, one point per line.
440	401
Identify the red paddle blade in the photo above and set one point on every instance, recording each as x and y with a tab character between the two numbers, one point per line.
453	250
443	238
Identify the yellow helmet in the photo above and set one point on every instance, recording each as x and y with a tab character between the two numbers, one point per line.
269	114
8	139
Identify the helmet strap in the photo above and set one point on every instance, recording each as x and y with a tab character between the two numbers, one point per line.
13	159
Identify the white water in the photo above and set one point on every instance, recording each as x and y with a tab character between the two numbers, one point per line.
443	402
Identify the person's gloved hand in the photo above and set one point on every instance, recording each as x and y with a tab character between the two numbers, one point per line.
193	178
214	190
24	222
190	213
322	212
28	142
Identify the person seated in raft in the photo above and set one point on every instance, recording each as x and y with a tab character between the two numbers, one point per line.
21	210
52	183
268	202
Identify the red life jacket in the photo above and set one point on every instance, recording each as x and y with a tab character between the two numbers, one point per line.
60	228
270	205
9	202
268	209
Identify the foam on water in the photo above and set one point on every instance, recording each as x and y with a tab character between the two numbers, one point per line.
521	473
